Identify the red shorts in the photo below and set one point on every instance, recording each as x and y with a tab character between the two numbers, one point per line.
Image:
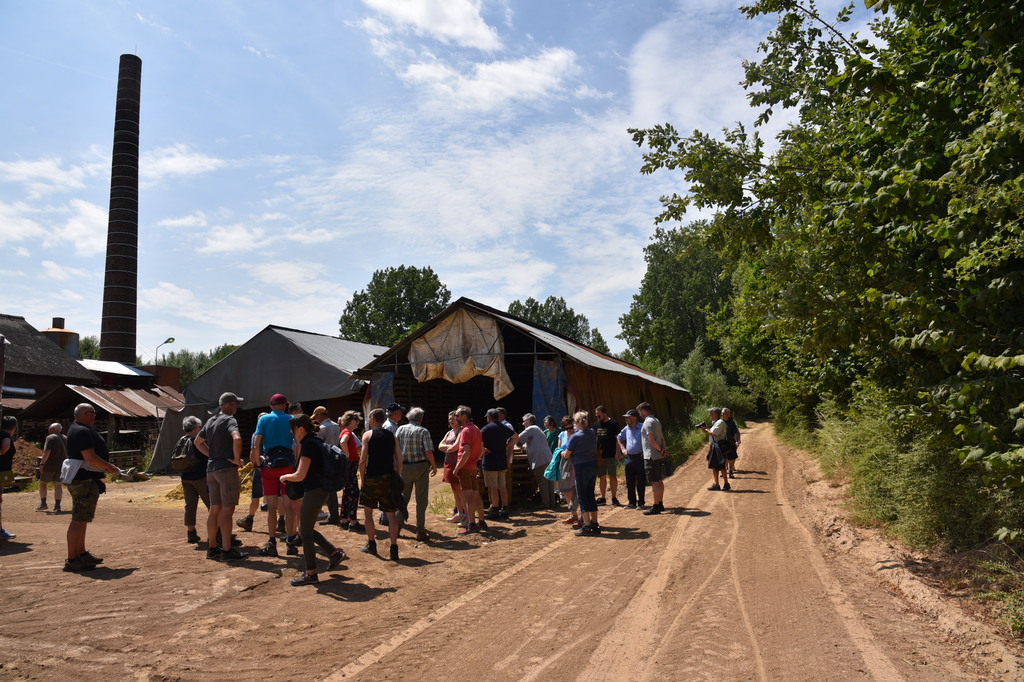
271	479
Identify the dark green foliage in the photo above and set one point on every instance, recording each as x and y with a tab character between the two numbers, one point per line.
555	314
396	301
89	348
191	364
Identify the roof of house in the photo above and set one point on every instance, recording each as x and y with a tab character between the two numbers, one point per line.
32	353
111	367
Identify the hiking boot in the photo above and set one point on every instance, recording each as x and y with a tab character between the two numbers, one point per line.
394	552
615	502
656	508
337	556
421	536
213	553
369	548
192	538
75	565
41	506
306	579
269	549
245	523
586	530
88	558
233	555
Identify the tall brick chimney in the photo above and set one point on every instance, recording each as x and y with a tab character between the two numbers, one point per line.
120	296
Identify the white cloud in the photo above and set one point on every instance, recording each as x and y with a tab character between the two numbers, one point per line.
46	176
70	296
287	273
258	52
54	271
175	160
15	225
495	84
197	219
449	21
233	238
85	231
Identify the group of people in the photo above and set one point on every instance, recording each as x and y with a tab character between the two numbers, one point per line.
382	471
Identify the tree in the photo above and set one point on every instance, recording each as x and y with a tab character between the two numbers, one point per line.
89	348
191	364
555	314
396	301
886	229
685	281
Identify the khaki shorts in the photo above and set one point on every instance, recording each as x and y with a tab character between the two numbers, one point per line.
224	487
496	479
84	496
49	476
468	479
607	467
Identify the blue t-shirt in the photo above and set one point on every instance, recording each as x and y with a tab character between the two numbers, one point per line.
632	439
495	436
275	428
583	445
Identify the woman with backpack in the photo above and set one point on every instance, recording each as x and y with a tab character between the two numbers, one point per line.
309	473
193	478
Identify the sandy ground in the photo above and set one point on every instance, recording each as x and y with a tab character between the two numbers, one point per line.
765	582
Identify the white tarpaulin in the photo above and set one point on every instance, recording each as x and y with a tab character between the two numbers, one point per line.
463	346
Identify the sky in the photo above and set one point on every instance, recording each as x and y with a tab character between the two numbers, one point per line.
291	149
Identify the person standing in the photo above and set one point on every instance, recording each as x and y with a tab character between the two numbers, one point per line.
732	441
8	431
350	444
470	447
309	473
87	445
55	451
581	450
418	466
566	477
449	446
330	433
496	459
607	430
631	447
220	440
538	454
653	442
379	464
273	451
716	457
193	481
394	412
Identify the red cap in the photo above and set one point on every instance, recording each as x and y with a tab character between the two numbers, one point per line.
278	399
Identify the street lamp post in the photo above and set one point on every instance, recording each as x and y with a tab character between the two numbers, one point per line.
170	339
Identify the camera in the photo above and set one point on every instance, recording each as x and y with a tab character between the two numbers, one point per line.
700	425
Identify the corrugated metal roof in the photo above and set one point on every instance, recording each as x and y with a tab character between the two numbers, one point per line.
131	402
110	367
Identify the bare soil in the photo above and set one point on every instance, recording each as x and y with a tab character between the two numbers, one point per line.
764	582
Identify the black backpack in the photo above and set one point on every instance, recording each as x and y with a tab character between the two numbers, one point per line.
334	468
184	456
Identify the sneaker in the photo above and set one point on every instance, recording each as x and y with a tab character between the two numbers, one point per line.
641	506
235	542
75	565
233	555
42	506
383	519
656	508
269	549
56	507
615	502
714	487
280	524
292	548
305	579
331	521
263	506
4	535
571	519
337	556
356	527
630	506
504	514
421	536
245	523
586	530
369	548
493	514
596	527
192	537
577	525
471	528
88	558
213	553
394	553
482	525
726	487
601	501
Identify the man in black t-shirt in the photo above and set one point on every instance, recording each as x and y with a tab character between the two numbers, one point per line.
10	429
87	445
607	430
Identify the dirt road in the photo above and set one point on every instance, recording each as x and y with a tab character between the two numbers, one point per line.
724	586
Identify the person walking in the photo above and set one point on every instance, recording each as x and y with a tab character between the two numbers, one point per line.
379	464
55	451
309	473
